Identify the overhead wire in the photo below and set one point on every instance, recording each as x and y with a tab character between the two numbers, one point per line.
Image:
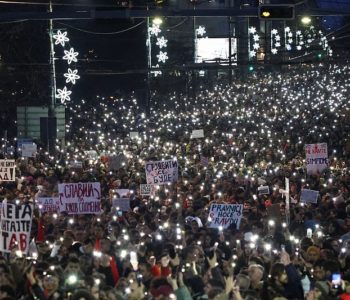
102	33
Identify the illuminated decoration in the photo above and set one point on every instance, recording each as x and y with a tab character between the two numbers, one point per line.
254	44
299	40
156	73
63	94
201	31
154	30
71	76
61	38
70	56
161	42
162	56
275	41
310	35
288	37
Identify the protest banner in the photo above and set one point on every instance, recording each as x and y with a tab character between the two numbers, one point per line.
15	226
316	158
76	165
146	189
204	161
29	150
48	204
161	172
309	196
122	204
264	190
80	198
134	135
21	142
197	134
225	215
7	170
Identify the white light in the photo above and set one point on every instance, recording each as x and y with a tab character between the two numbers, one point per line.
61	38
306	20
71	76
157	21
63	94
70	56
162	56
201	31
161	42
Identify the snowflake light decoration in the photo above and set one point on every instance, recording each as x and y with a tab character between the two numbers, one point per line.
154	30
275	41
299	40
70	56
161	42
61	38
254	44
201	31
63	94
71	76
162	56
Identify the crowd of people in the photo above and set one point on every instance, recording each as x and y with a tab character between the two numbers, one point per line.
255	131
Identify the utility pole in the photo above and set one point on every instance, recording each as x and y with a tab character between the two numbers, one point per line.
50	120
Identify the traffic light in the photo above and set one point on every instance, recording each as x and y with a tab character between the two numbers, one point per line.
276	12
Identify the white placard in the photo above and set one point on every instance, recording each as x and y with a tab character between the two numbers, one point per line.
161	172
80	198
29	150
197	134
309	196
122	204
15	227
316	158
48	204
224	215
7	170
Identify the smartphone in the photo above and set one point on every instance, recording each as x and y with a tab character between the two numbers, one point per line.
336	280
283	248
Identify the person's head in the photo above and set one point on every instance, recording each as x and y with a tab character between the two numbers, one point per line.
255	273
319	270
279	274
243	281
73	265
99	231
51	282
145	269
68	238
312	254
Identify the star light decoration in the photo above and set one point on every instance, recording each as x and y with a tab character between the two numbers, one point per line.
162	42
253	42
154	30
162	56
288	37
275	41
201	31
71	75
299	40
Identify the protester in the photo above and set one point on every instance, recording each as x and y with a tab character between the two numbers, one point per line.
88	232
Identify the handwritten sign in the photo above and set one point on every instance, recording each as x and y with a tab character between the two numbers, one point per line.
15	227
80	198
7	170
264	190
48	205
316	158
161	172
225	215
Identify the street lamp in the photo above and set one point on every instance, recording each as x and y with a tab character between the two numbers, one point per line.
306	20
